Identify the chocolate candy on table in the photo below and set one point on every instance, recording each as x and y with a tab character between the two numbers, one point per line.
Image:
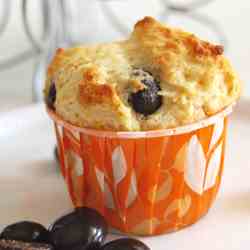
82	229
19	245
26	231
125	244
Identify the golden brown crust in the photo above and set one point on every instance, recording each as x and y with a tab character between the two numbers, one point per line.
93	91
197	46
202	48
96	94
94	83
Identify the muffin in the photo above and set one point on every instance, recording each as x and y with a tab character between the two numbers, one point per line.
159	78
141	125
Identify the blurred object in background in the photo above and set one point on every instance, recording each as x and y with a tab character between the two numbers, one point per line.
47	25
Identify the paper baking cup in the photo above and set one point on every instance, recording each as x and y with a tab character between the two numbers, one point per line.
144	183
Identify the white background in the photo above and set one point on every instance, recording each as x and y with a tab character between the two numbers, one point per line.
233	16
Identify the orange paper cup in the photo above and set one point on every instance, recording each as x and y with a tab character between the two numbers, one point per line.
144	183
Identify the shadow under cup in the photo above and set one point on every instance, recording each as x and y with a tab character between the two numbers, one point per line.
144	183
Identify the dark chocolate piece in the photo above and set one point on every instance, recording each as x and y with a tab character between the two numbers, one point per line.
26	231
19	245
125	244
83	229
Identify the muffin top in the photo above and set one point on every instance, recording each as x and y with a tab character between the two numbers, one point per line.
160	77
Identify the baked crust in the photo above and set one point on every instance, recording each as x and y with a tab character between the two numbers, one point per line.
93	83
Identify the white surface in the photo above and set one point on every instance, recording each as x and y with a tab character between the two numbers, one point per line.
31	187
233	16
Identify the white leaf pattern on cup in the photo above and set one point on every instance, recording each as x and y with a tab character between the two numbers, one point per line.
146	227
119	165
184	205
161	192
181	206
213	167
132	193
165	189
108	197
195	165
180	159
76	135
100	178
60	130
79	167
217	132
75	161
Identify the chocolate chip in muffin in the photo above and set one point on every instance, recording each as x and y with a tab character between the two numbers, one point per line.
146	101
51	97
